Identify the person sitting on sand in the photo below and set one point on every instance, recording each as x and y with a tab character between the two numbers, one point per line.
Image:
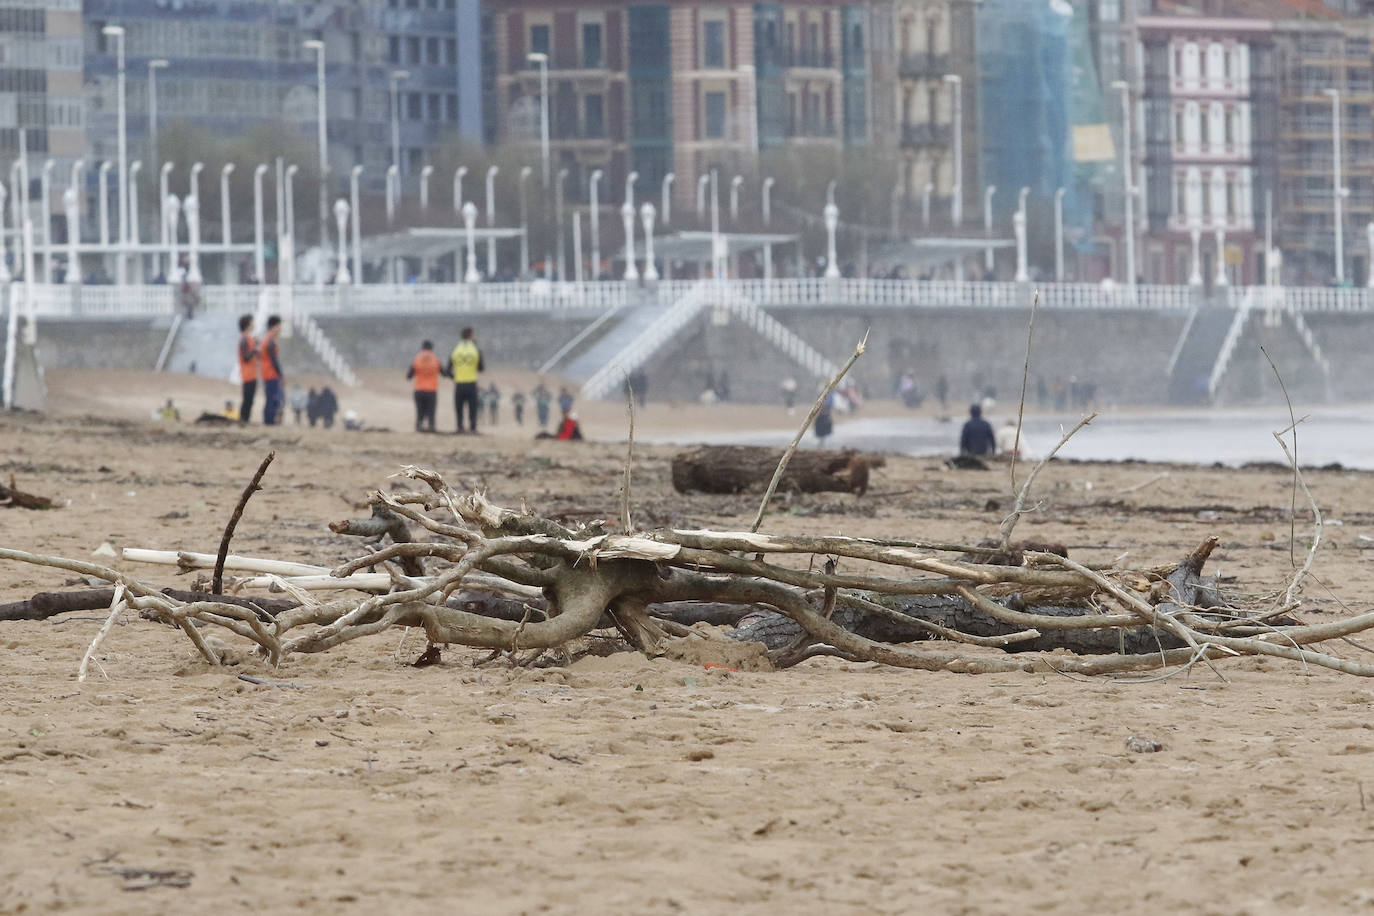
568	431
230	412
977	437
1010	443
169	411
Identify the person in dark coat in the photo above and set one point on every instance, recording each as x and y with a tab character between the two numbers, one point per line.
977	437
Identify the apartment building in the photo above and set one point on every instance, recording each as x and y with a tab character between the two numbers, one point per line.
234	64
40	84
1206	154
685	87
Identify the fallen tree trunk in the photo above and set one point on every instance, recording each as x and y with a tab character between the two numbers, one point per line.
748	468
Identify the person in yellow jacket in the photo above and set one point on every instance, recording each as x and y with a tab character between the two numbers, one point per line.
463	365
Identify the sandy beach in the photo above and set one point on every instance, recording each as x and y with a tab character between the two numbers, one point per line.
625	785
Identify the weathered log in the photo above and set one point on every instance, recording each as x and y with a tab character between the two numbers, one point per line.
748	468
14	497
383	522
49	604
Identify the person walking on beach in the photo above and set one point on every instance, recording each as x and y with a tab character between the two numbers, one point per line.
298	401
977	437
424	370
463	365
248	365
543	398
517	404
271	373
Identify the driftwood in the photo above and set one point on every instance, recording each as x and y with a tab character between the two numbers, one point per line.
383	523
13	497
748	468
49	604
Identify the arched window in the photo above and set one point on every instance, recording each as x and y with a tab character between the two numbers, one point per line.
1192	64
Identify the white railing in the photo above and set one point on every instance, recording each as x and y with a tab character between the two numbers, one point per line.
1310	341
58	301
676	317
322	345
776	333
1228	347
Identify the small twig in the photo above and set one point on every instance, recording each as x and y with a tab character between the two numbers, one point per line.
1290	596
1025	377
515	637
1142	485
1009	522
1293	422
629	458
117	607
264	682
217	585
801	433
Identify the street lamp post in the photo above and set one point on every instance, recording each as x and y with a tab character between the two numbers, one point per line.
1338	190
524	221
558	192
396	77
735	184
117	33
702	181
341	208
1220	279
832	222
1127	183
322	133
71	207
171	210
646	215
718	243
164	173
461	171
470	222
988	193
926	191
191	206
542	60
627	216
492	172
425	172
290	197
1019	226
956	201
577	247
259	251
153	67
766	201
356	212
1195	263
225	219
103	205
45	208
594	214
1059	235
668	197
134	168
630	180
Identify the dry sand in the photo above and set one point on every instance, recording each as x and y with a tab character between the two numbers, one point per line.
623	785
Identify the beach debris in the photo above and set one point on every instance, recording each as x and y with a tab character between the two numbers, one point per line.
748	468
1138	744
14	498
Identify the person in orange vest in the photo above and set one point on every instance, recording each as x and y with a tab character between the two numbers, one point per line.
424	369
271	373
248	365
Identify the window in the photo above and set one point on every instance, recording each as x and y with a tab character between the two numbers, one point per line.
713	45
451	107
1178	127
591	45
432	51
1230	128
434	103
414	106
1204	130
450	51
932	105
393	49
539	39
594	120
413	49
715	115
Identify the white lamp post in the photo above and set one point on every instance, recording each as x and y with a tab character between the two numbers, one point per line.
397	76
225	215
767	204
356	212
1127	183
832	222
290	198
627	216
630	180
470	222
702	181
956	200
117	33
646	215
1059	235
134	168
458	189
71	206
191	206
45	209
558	191
542	62
667	196
1369	241
524	221
735	184
594	214
492	172
259	248
171	212
718	243
153	67
163	189
926	191
988	193
424	187
830	192
322	133
103	204
1195	263
341	208
1018	223
5	277
1338	190
391	181
577	247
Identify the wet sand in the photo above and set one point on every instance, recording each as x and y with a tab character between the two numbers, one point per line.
626	785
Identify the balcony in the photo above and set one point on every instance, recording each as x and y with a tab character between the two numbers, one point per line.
926	135
923	65
811	58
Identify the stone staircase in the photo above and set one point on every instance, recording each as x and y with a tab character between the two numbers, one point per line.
1203	340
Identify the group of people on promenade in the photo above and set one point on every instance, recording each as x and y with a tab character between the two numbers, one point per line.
465	363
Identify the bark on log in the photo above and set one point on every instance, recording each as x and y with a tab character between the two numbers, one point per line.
14	497
748	468
383	522
49	604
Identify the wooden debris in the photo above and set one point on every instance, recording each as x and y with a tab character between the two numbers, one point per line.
748	468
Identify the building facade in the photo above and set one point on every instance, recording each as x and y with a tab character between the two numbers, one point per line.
40	83
1206	155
